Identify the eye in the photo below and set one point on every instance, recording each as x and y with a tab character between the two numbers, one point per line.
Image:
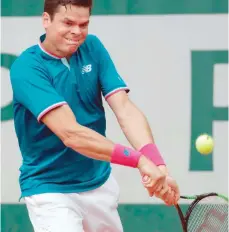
84	25
68	23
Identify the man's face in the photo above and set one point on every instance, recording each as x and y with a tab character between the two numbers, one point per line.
68	28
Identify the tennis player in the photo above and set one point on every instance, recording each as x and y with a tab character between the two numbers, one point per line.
60	124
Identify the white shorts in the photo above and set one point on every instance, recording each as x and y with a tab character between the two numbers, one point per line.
92	211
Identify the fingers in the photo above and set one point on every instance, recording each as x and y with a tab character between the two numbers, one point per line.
172	198
169	200
161	190
155	189
165	189
145	179
160	185
167	197
168	194
149	182
172	183
151	194
153	185
146	182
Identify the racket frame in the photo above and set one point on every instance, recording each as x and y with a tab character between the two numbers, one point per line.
196	199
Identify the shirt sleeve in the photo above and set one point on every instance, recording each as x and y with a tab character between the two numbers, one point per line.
110	80
32	88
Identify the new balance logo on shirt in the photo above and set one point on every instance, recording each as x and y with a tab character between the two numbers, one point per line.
86	68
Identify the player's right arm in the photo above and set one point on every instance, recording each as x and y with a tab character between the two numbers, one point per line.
62	122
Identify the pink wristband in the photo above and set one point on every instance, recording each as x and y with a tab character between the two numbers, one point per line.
151	151
125	156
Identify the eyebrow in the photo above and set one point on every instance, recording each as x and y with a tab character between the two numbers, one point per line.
84	22
67	19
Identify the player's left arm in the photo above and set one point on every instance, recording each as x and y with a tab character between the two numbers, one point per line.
135	126
132	121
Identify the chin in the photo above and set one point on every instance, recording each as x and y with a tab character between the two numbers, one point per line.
73	49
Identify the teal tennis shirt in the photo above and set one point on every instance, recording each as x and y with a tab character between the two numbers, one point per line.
40	82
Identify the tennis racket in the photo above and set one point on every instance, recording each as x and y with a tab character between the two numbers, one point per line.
206	213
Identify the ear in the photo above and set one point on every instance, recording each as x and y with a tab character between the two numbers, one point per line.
46	20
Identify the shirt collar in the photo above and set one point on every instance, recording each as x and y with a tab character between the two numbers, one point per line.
47	53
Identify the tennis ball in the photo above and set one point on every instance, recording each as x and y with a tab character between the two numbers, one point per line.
204	144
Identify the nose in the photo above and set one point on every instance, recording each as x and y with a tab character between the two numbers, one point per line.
75	30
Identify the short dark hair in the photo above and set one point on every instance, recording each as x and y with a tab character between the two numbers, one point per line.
51	6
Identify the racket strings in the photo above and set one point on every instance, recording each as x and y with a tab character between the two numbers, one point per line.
209	215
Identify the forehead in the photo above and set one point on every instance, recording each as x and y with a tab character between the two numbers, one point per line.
74	13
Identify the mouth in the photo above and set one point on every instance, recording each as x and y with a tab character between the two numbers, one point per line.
72	42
